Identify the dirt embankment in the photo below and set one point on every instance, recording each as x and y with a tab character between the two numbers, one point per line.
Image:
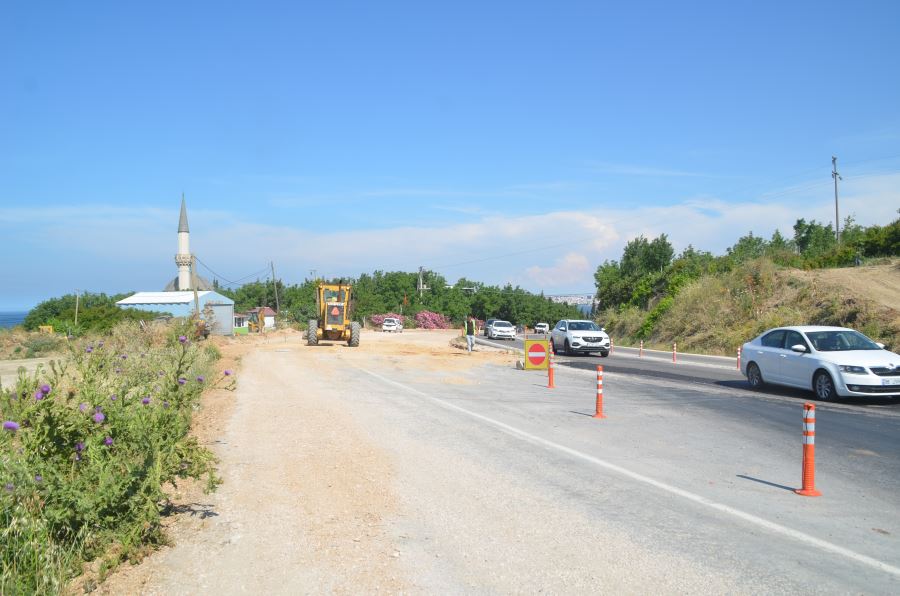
876	284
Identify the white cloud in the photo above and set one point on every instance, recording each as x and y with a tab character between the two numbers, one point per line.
105	248
570	270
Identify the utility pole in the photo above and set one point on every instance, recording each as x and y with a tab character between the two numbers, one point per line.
275	283
76	306
421	283
312	274
837	222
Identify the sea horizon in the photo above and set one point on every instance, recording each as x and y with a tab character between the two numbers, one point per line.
11	318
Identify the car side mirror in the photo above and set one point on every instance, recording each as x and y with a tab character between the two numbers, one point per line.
799	348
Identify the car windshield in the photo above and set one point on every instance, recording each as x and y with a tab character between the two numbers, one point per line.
583	326
502	324
840	341
391	321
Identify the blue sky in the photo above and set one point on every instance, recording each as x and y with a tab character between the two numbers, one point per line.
518	142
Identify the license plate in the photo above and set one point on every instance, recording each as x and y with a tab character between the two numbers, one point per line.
891	381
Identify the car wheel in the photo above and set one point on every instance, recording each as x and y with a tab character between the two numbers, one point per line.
566	349
824	386
604	354
754	376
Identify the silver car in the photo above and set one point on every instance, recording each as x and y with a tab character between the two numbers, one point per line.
392	325
831	361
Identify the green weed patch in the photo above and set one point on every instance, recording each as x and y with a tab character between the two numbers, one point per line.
87	446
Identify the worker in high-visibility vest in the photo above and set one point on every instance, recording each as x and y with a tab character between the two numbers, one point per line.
470	333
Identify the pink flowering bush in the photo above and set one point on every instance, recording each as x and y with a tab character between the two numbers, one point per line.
432	320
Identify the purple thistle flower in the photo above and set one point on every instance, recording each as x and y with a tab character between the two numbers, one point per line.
100	344
200	379
124	356
9	487
146	400
166	405
45	389
38	395
118	371
82	406
112	397
38	478
182	339
89	349
79	446
108	441
182	381
11	426
161	373
227	372
99	417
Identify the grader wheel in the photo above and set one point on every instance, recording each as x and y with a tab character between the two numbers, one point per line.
312	337
355	330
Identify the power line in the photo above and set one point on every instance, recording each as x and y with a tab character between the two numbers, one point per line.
233	283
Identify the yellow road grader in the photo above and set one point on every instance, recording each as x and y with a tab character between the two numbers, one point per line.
333	324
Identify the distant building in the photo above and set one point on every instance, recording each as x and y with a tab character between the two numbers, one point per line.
214	307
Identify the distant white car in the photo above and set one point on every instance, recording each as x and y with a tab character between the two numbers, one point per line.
502	330
831	361
574	336
542	328
392	325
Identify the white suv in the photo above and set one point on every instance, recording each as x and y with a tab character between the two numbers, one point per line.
542	328
573	335
393	325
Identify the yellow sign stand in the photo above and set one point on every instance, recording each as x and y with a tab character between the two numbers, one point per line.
536	354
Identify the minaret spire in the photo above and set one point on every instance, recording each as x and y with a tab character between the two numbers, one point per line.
182	221
183	258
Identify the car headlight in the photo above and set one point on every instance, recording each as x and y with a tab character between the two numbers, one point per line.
859	370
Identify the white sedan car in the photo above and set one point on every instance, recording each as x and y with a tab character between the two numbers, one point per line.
502	330
831	361
392	325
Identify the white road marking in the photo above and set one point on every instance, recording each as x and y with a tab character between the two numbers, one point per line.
742	515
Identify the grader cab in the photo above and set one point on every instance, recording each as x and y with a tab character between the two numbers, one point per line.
333	323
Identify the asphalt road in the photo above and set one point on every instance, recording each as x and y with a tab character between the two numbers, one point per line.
705	370
689	467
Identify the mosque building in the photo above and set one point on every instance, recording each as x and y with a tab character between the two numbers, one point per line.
180	298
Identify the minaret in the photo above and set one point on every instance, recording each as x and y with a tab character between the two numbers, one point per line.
183	258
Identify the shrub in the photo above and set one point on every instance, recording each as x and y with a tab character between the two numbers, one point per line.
87	447
431	320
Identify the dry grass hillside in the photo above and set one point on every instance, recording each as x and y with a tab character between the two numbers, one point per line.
716	314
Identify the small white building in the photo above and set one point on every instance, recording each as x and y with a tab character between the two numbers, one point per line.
213	306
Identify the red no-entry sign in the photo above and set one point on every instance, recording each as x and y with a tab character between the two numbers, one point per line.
535	353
